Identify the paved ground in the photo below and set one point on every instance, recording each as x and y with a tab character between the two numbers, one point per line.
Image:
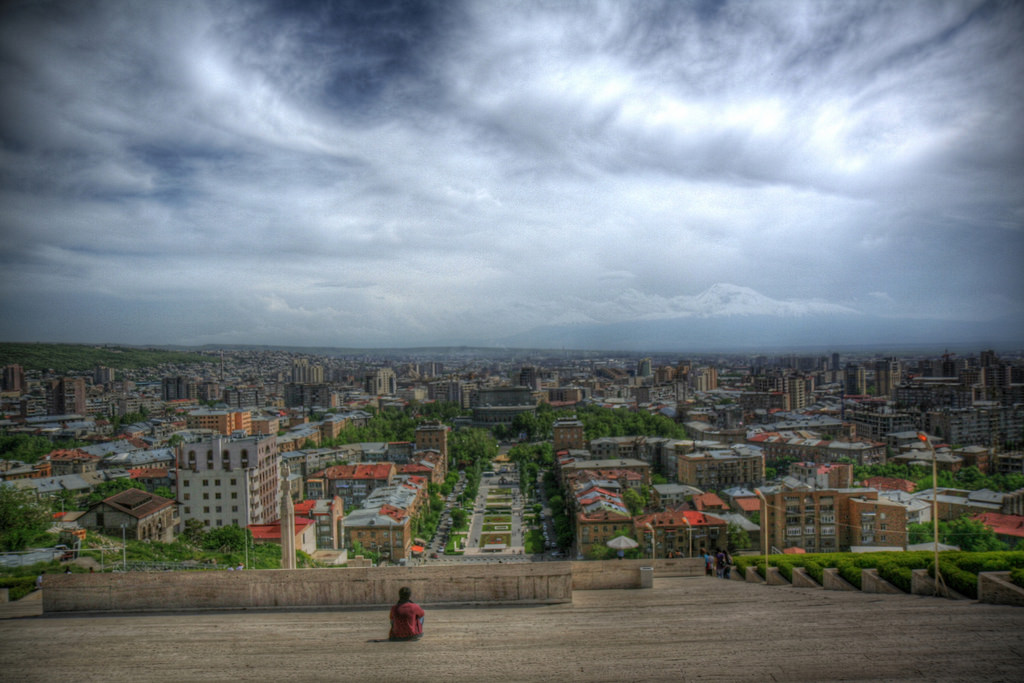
685	629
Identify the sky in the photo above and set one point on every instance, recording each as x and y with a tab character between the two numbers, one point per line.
415	173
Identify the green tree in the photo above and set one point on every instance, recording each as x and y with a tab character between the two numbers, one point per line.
164	491
227	539
966	533
458	518
23	518
634	501
738	538
194	532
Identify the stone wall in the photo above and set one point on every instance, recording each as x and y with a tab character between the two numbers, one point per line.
535	583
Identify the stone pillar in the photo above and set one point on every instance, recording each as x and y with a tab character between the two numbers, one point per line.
287	523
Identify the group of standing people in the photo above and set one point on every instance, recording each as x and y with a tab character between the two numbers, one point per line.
719	564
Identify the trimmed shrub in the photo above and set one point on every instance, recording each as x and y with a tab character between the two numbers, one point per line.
1017	576
19	586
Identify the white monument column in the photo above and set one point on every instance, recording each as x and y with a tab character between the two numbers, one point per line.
287	522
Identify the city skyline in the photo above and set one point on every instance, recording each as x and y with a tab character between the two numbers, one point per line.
419	174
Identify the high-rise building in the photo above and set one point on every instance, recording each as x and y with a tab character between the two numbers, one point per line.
529	377
102	375
65	396
381	382
304	373
229	480
887	376
644	368
178	388
856	380
14	378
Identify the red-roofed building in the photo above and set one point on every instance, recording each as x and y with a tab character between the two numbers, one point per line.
329	517
153	477
889	484
71	461
1008	528
825	475
678	531
748	505
305	534
710	502
352	483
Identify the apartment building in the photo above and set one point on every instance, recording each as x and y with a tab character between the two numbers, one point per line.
229	480
568	434
433	436
386	530
831	520
351	483
809	446
721	469
224	422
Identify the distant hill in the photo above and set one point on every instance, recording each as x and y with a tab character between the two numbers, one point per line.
63	358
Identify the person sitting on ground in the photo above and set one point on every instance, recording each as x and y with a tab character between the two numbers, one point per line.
406	617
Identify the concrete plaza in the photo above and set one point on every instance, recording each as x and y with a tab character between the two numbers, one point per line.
685	629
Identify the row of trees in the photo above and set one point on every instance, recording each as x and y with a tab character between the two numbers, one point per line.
29	448
970	478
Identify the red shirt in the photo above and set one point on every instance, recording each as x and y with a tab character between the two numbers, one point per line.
406	620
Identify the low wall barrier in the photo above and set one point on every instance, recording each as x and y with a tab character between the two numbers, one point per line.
539	583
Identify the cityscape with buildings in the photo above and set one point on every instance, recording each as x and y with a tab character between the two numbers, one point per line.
813	440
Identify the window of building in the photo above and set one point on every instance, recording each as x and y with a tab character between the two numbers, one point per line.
234	482
218	509
188	509
217	495
187	496
216	482
220	522
206	495
234	494
206	522
234	508
206	509
186	483
206	482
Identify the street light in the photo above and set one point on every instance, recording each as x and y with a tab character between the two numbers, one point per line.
648	525
689	535
935	507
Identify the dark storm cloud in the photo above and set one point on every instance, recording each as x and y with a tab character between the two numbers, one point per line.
412	172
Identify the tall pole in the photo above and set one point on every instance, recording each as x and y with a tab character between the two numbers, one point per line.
935	507
689	535
124	549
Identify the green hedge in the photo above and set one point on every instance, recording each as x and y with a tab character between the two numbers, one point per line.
1017	576
959	569
19	586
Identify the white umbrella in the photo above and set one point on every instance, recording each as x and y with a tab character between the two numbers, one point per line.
622	543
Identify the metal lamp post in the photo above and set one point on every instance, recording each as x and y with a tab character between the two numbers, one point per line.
124	548
689	535
935	507
648	525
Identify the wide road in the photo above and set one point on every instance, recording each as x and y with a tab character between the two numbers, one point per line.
685	629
